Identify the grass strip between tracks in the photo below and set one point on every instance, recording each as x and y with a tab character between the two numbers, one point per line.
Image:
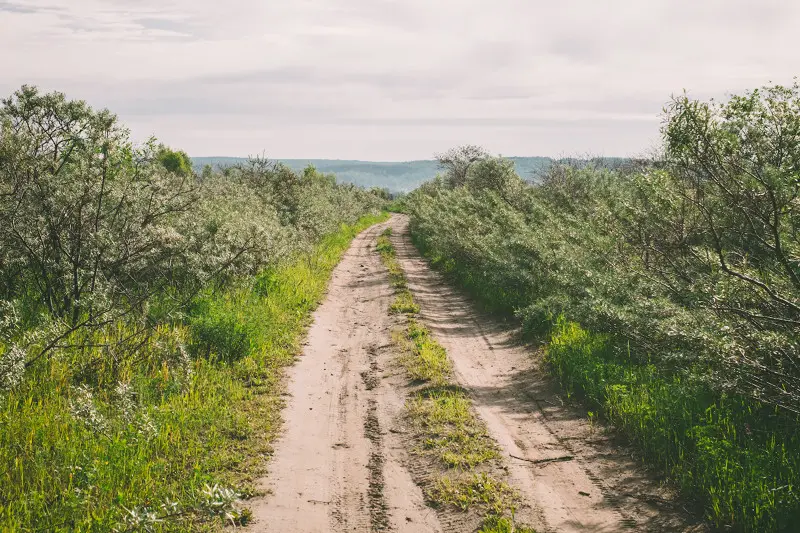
444	426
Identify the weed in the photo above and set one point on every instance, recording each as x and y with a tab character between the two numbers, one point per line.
404	303
385	247
425	359
494	524
494	497
446	427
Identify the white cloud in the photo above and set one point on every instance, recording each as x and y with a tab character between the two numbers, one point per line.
389	79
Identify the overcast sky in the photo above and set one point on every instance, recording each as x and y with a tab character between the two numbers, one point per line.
396	80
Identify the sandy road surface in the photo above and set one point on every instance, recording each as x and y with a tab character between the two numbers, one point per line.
341	464
337	467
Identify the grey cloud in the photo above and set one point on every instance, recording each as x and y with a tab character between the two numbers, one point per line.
743	15
398	84
493	54
18	7
136	28
631	105
501	92
14	7
579	48
408	76
519	122
377	13
205	105
78	25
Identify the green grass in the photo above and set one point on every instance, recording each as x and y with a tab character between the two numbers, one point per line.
444	424
195	432
423	358
404	303
494	498
386	249
722	452
495	524
404	300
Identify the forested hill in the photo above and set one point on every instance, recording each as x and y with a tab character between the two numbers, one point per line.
396	176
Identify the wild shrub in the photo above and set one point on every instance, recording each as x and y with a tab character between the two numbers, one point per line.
683	275
145	314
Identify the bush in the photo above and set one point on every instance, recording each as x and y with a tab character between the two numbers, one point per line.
117	263
683	275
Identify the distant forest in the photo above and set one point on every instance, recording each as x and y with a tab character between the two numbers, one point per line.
396	176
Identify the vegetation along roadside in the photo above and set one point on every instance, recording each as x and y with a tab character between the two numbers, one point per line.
146	313
666	292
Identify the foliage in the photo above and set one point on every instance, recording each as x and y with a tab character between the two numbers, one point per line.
90	223
145	316
495	524
456	163
738	171
685	271
177	162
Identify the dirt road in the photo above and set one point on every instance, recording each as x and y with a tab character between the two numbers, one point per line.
341	464
337	467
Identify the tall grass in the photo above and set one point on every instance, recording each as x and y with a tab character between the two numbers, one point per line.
177	437
732	453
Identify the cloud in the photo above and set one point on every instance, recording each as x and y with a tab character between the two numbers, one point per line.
395	79
15	7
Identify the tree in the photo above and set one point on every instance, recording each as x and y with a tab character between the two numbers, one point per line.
207	173
177	162
736	170
493	173
381	192
89	221
456	163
